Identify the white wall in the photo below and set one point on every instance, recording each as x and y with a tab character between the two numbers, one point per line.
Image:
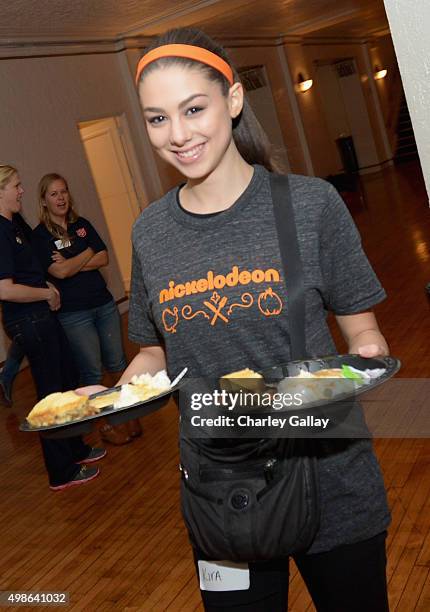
42	99
410	27
358	120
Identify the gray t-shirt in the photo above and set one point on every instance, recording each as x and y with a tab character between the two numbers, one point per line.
211	290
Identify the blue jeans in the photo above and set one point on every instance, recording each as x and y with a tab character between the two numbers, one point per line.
95	340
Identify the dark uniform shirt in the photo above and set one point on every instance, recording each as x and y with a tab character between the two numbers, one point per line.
83	290
19	262
23	225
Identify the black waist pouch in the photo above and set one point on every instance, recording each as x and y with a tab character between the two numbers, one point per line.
254	510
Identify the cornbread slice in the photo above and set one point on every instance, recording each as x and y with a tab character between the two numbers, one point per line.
243	379
58	408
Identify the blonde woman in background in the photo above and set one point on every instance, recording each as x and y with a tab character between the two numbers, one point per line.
72	253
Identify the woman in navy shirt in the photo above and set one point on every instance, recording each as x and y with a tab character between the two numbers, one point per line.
72	253
28	303
14	355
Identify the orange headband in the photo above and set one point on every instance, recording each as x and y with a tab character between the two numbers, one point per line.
190	52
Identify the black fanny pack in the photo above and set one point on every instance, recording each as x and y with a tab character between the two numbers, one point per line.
252	511
263	505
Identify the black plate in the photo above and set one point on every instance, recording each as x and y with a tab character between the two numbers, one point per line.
272	376
113	415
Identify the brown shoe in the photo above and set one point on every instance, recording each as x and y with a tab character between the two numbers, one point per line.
115	434
134	428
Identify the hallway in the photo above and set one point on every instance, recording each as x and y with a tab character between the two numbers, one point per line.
118	543
395	229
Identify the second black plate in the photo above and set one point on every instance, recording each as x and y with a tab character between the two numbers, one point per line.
273	376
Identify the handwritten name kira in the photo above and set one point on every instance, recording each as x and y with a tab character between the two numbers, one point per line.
214	576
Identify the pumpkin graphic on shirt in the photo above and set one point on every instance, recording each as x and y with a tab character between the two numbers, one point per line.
269	303
81	232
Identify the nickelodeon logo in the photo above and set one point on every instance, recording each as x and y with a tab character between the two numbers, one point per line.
218	281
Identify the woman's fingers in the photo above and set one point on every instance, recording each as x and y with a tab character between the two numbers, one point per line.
57	257
90	389
371	350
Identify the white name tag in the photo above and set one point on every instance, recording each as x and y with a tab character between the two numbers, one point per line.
62	244
223	576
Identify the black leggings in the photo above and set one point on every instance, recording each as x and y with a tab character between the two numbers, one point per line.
350	578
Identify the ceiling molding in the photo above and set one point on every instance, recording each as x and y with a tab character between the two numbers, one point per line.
334	40
56	48
247	41
44	48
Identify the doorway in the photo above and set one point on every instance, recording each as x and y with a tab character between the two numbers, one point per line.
114	168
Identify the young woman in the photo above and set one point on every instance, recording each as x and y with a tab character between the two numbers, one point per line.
72	254
220	225
28	304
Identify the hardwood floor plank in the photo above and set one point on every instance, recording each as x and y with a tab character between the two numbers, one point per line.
412	590
424	556
423	603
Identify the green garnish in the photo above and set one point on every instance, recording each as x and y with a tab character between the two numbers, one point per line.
348	373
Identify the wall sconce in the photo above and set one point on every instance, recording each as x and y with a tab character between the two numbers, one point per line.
303	84
380	73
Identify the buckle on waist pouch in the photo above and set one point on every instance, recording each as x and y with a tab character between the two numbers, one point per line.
184	472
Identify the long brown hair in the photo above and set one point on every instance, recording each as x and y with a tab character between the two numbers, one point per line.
56	230
249	137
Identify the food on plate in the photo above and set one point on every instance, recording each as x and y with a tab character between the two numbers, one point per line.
243	379
103	401
142	388
160	381
128	396
59	408
246	373
327	383
328	373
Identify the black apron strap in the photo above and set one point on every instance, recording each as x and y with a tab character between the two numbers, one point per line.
291	261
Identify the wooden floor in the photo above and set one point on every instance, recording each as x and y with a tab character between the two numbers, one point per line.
118	543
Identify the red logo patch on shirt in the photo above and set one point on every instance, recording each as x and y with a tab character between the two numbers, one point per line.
81	232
